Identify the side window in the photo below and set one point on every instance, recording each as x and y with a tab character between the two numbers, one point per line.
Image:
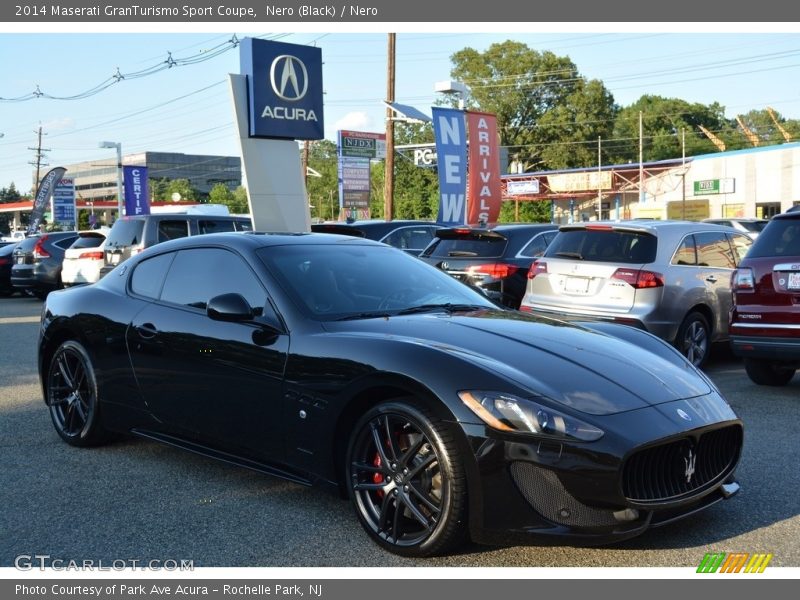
244	225
65	243
214	226
199	274
713	250
148	276
740	244
172	230
685	254
409	238
535	247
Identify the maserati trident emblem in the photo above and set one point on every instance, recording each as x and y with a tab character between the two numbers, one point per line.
689	461
284	73
684	415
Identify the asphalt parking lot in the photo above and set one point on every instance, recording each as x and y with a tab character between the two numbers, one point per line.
138	500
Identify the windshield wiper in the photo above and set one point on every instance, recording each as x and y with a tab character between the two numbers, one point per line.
577	255
447	307
365	315
461	253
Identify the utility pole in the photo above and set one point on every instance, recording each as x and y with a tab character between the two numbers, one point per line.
388	189
304	163
599	176
40	157
641	163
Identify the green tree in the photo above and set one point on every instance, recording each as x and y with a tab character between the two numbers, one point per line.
548	115
7	196
162	189
323	191
762	125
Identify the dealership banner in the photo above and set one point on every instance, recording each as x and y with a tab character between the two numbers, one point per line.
485	196
137	199
450	135
42	196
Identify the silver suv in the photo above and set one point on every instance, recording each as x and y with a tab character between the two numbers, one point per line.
671	278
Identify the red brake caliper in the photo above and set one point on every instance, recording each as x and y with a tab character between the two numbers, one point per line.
377	477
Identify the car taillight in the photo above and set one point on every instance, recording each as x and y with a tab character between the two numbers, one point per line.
38	249
743	280
91	255
537	267
5	261
639	278
495	270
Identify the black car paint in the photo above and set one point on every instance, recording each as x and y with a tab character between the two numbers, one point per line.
6	262
323	375
40	275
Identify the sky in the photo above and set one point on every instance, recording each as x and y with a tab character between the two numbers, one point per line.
187	108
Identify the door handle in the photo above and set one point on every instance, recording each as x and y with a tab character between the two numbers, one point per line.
146	331
711	279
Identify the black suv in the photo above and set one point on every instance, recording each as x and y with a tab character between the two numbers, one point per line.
496	260
131	235
37	261
410	236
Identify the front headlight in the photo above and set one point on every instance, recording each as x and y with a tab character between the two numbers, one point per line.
506	412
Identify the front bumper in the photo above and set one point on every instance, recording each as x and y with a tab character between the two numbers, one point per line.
577	493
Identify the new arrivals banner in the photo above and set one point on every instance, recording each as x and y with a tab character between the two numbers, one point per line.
450	135
485	196
42	196
137	199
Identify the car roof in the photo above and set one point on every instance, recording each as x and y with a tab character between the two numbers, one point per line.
248	240
653	227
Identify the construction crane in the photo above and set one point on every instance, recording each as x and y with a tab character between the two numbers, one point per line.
714	139
747	132
786	135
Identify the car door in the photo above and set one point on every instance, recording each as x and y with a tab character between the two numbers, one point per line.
215	381
715	263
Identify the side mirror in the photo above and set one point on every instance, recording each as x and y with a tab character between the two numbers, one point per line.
229	307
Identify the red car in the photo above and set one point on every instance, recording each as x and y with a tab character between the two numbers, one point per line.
765	317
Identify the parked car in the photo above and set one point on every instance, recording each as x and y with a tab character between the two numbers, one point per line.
38	260
765	319
408	235
131	235
671	278
13	237
6	260
751	227
496	260
84	258
439	413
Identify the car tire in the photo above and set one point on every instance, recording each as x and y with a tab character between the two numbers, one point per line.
72	396
764	372
694	338
406	480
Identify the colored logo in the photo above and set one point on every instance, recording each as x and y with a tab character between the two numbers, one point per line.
736	562
288	66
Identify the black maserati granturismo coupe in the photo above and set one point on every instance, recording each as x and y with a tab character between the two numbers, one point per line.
335	360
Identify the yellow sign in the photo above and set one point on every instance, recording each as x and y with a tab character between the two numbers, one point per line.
650	212
733	211
690	210
580	182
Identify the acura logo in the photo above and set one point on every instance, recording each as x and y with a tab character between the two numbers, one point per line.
289	78
689	462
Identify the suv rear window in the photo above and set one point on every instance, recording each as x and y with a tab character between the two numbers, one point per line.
87	241
468	246
780	238
126	233
593	245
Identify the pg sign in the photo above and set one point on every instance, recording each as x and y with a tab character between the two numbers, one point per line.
284	89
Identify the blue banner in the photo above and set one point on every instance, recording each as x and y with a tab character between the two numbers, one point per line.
137	199
284	89
450	133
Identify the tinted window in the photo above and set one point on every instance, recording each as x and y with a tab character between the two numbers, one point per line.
468	247
92	241
713	250
604	246
172	230
780	238
536	246
199	274
148	277
686	254
243	225
741	244
126	232
213	226
65	243
411	238
754	226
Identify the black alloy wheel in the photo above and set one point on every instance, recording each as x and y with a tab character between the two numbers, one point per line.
764	372
694	338
406	480
72	396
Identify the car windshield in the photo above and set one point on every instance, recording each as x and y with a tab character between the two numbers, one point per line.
126	232
754	226
335	282
604	245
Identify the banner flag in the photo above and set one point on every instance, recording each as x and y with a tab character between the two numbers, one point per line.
485	195
42	196
450	135
137	199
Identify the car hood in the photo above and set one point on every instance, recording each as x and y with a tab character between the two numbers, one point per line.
589	371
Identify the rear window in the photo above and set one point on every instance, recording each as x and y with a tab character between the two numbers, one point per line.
91	241
780	238
214	226
593	245
126	233
468	247
754	226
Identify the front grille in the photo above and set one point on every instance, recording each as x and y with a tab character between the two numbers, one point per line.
681	467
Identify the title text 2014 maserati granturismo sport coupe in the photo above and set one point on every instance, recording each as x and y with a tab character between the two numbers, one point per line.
336	360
